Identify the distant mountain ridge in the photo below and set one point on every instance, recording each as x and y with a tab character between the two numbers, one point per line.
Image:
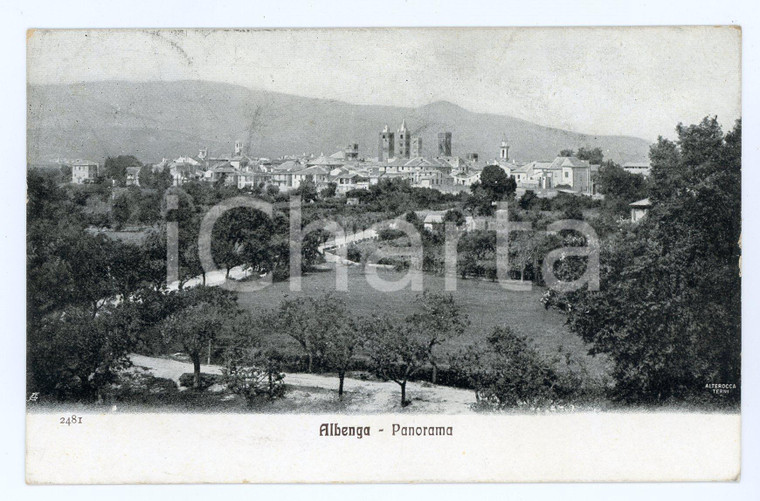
155	120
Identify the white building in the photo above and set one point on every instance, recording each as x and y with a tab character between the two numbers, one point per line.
84	172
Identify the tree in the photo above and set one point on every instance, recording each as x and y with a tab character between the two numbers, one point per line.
341	343
153	262
121	211
54	225
497	183
523	249
412	218
194	327
250	369
479	201
566	153
323	328
307	190
149	208
73	355
528	199
253	372
620	187
243	236
507	372
116	167
668	312
439	318
395	352
329	191
455	216
126	269
90	262
594	156
202	316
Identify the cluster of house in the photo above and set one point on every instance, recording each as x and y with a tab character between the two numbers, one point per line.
399	157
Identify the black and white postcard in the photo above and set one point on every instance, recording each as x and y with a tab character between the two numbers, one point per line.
383	255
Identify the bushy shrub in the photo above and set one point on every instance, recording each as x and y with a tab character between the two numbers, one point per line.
73	355
353	254
254	374
140	385
507	373
390	234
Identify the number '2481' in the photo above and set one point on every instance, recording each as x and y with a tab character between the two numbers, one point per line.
69	420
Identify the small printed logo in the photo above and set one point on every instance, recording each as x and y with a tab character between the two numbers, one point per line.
720	388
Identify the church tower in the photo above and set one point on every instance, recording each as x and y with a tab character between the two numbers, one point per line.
504	151
385	145
404	141
417	147
444	144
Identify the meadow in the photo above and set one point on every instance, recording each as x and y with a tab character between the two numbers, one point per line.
487	305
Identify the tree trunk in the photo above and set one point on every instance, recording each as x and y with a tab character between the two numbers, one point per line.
403	394
311	360
196	370
341	376
204	278
434	376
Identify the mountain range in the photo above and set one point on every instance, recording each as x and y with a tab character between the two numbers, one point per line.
155	120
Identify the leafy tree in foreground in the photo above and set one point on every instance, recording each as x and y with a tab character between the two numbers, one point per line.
194	328
254	372
323	328
668	312
341	344
205	314
395	352
620	188
439	318
73	355
507	372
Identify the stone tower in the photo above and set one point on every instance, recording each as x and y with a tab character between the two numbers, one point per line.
417	147
404	141
352	151
444	144
238	148
385	145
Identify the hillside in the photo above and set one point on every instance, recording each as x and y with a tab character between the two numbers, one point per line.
157	119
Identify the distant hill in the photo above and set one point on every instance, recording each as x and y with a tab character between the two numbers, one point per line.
154	120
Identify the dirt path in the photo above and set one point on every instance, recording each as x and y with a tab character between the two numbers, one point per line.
362	396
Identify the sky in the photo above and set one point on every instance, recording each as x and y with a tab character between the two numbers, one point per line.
628	81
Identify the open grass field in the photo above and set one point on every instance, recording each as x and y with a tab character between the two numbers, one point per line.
486	303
